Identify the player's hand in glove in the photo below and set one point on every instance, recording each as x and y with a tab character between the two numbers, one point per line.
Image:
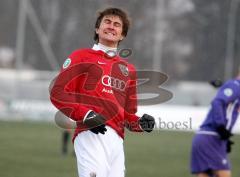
95	122
229	145
216	83
147	122
99	129
224	133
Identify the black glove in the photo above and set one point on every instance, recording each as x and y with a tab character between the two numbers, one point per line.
216	83
147	122
99	129
95	122
229	145
224	133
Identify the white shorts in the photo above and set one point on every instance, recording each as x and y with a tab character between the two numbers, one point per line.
99	155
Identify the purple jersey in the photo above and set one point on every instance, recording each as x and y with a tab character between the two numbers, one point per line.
225	107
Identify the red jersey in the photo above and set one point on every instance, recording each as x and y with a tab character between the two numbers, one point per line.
91	80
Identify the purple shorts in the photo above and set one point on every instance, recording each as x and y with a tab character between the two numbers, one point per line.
208	154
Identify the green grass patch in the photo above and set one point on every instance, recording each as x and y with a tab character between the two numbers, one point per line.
33	149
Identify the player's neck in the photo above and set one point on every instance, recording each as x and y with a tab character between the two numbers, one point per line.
104	48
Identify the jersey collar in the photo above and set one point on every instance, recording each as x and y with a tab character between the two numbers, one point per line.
103	48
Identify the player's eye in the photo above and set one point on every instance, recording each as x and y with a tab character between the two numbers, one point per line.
117	24
107	21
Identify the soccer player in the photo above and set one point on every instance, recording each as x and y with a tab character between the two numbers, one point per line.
212	142
97	89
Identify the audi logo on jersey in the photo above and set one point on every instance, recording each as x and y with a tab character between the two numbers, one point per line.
113	82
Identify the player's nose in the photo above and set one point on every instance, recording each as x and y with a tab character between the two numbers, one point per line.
110	26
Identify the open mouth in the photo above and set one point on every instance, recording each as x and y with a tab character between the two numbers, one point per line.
110	33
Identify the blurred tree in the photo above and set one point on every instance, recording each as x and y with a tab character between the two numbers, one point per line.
210	23
189	36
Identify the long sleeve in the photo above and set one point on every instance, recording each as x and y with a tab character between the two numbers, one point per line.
63	89
218	112
131	119
226	95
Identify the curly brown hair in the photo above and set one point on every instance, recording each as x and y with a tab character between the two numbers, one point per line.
116	12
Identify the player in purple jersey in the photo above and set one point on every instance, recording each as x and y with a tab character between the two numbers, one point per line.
212	141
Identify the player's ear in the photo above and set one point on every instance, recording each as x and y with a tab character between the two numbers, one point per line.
97	30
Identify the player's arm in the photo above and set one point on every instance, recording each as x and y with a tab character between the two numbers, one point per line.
64	95
226	95
135	123
62	90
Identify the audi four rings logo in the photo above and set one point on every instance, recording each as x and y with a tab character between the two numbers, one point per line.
113	82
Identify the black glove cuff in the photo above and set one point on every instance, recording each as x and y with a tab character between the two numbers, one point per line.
93	120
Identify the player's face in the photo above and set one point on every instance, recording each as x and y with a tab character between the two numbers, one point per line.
110	31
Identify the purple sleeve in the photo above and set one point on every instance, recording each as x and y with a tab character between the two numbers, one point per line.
226	94
218	112
229	92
